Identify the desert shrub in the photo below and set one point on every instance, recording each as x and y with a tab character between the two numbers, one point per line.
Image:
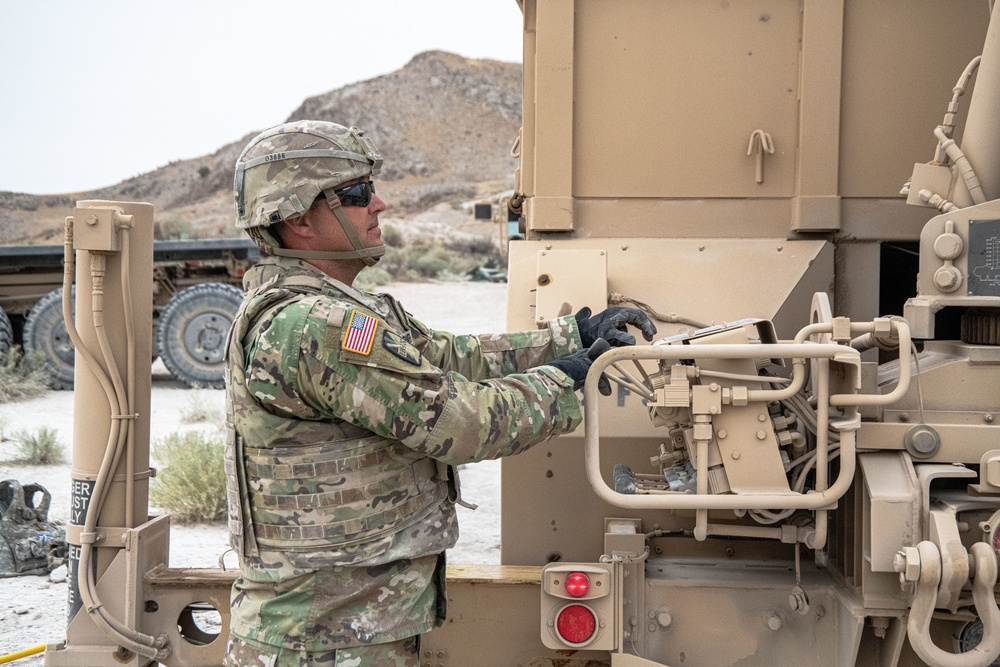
174	228
191	483
426	259
433	262
391	236
204	171
203	406
372	276
481	247
22	376
39	447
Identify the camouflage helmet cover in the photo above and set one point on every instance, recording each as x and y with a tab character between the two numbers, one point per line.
283	169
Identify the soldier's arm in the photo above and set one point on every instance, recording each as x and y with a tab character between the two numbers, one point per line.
389	387
496	355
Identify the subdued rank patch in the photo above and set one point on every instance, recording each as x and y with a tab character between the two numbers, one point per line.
398	346
360	332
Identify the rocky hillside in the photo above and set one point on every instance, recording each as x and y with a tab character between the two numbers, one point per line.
444	123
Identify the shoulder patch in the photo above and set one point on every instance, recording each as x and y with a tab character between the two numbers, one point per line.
359	332
400	347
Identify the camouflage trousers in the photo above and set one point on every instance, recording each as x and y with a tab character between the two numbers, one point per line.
402	653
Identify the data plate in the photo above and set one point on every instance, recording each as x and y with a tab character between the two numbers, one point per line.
984	257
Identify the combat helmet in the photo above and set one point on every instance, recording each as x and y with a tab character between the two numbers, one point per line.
282	171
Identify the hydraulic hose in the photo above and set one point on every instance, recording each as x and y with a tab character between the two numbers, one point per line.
23	653
948	126
965	167
145	645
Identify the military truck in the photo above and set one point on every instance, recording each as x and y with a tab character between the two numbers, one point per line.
802	469
196	291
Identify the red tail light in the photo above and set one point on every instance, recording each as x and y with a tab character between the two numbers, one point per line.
576	624
577	584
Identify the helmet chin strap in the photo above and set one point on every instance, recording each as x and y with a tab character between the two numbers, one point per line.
369	256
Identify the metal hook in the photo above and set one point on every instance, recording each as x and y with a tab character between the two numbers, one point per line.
763	143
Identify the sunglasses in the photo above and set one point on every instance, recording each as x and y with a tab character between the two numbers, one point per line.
359	194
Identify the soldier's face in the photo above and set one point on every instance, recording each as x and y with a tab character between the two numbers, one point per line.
364	220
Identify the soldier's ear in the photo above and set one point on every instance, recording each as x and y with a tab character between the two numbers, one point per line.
297	229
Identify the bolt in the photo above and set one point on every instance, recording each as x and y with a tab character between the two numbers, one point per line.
658	550
722	434
713	387
761	417
907	563
799	601
651	627
91	219
904	416
440	654
947	278
773	621
988	418
651	613
664	619
761	435
736	456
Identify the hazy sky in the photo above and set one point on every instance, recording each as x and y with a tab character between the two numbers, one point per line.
95	92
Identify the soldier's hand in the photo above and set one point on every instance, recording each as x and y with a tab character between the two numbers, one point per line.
578	364
611	325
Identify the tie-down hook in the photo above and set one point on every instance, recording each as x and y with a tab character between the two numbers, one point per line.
763	142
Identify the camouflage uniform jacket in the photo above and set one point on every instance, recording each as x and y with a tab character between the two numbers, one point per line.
346	415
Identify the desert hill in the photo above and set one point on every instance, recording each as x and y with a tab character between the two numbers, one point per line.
444	123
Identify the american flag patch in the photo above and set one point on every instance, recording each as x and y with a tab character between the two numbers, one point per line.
360	333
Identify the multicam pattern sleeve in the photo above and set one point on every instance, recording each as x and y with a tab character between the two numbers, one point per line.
495	355
376	376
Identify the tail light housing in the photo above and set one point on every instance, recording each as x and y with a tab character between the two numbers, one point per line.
578	608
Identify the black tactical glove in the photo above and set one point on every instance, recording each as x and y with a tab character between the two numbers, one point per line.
577	365
611	325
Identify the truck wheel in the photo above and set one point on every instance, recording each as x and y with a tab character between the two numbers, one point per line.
45	332
191	335
6	332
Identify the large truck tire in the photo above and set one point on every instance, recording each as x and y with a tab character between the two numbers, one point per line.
6	333
45	332
191	334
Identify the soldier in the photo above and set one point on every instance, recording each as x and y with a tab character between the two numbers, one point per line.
347	416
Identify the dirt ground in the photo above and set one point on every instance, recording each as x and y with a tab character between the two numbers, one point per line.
33	609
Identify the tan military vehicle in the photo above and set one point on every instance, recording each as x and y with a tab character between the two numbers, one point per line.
195	297
803	469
